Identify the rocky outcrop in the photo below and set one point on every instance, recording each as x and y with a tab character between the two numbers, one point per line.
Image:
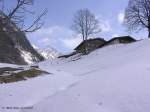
14	46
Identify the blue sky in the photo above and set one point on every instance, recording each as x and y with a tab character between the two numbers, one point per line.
57	33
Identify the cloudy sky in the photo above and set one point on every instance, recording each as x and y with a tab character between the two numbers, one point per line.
57	33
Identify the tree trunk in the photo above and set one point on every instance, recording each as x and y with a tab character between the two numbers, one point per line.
85	47
149	33
148	27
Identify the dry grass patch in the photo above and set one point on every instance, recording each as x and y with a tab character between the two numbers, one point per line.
20	75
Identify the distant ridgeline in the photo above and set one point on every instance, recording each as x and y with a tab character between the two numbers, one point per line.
14	46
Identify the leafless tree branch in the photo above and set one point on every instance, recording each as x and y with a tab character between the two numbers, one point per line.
137	15
17	15
85	23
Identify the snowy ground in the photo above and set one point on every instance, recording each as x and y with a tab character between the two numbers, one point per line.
112	79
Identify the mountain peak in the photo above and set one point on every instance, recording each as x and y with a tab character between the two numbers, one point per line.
48	52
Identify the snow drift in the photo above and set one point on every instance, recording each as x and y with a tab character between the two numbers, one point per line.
112	79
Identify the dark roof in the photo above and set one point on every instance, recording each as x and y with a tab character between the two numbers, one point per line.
129	38
122	38
90	41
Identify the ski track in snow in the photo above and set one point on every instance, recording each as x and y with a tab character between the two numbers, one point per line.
111	79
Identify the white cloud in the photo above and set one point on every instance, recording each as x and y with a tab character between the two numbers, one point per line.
53	32
56	36
104	24
121	16
73	42
61	37
115	35
45	41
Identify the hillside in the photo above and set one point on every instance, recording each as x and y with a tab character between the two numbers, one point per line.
14	45
111	79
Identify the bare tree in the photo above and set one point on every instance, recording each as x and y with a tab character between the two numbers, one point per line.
17	15
86	24
137	15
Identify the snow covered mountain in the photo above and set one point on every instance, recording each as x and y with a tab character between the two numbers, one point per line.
48	52
111	79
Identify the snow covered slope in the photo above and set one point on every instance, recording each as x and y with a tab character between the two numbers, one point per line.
112	79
